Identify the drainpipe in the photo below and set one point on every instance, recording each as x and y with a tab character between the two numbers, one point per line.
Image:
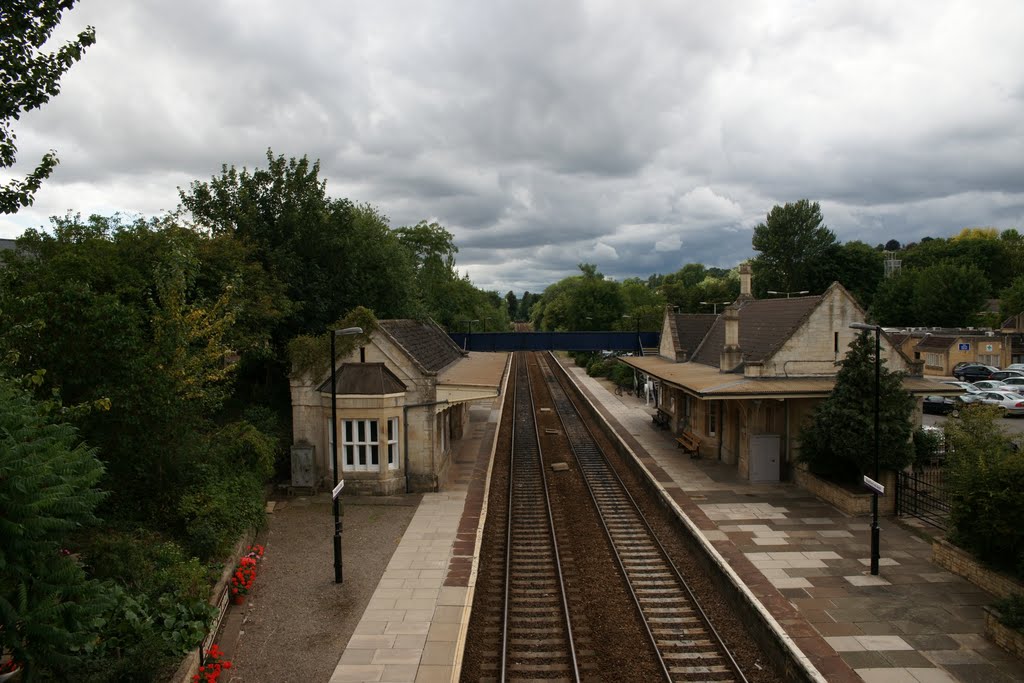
405	432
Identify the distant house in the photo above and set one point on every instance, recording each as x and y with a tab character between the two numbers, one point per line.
742	383
401	401
942	348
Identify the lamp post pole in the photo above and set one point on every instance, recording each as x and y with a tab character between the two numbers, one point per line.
875	541
338	578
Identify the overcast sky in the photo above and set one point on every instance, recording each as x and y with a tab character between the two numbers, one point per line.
636	136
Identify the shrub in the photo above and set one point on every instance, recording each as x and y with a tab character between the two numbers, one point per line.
985	478
622	375
927	446
217	511
1011	611
146	564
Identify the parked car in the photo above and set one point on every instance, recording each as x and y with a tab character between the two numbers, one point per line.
939	405
966	386
989	385
974	372
1006	374
971	397
1014	366
961	364
1008	401
1017	383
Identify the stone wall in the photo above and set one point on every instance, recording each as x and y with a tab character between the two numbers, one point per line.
962	563
852	503
1009	639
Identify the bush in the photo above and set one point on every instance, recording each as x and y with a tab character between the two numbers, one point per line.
985	478
219	510
927	446
147	564
1011	611
622	375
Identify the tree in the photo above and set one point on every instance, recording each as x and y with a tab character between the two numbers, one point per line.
859	268
1011	299
838	443
791	241
511	305
28	79
893	303
949	295
47	480
892	245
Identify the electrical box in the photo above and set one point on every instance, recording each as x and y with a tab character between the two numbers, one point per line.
304	465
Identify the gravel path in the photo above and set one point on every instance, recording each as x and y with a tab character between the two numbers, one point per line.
297	621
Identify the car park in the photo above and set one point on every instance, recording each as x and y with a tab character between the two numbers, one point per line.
989	385
974	372
939	405
966	386
1009	402
1006	374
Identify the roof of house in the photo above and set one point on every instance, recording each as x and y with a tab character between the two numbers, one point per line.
765	324
425	342
935	343
690	329
364	378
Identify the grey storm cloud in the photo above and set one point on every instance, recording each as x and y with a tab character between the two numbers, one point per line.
544	135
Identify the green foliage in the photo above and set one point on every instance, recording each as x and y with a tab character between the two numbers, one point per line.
838	443
791	242
1011	299
47	480
145	563
984	477
943	294
30	78
1011	611
310	355
622	375
927	445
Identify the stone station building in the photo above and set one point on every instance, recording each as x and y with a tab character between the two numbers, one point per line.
402	400
741	384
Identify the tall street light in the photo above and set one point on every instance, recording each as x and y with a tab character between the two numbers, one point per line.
874	499
716	304
334	450
788	294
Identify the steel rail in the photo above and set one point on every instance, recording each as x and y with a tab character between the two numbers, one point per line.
639	552
525	539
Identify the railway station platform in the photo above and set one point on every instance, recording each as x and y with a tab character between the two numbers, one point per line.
803	560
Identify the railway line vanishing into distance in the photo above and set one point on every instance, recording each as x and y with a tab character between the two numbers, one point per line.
583	575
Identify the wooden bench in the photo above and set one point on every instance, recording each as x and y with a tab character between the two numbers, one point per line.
689	443
660	419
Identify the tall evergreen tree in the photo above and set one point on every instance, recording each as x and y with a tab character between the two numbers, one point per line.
839	441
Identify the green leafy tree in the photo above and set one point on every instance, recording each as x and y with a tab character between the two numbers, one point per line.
1011	299
949	295
893	303
859	268
790	243
28	79
838	443
47	492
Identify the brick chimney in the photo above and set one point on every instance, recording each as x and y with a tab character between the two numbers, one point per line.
732	355
745	292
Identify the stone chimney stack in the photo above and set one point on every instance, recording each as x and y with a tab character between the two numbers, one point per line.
745	292
732	355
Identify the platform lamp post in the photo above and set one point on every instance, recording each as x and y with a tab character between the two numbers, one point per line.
334	451
788	294
874	498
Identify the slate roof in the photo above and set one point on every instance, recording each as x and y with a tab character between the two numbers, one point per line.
425	342
690	330
765	324
935	343
365	378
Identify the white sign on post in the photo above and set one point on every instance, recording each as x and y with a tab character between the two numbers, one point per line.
341	484
874	485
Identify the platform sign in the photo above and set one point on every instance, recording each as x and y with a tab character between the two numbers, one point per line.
965	346
341	484
874	485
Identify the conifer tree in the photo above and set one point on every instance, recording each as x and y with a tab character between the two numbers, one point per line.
47	477
839	442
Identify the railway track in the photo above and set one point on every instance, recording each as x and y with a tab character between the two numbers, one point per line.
537	640
687	644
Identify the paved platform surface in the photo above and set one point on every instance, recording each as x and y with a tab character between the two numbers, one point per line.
805	561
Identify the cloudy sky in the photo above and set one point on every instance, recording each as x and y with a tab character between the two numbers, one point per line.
637	136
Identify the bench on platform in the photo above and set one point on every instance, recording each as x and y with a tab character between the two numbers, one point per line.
689	443
660	419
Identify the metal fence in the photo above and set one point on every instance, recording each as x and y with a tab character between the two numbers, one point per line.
922	495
